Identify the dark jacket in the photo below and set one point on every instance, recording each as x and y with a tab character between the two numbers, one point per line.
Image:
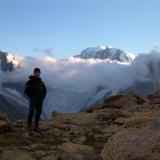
35	87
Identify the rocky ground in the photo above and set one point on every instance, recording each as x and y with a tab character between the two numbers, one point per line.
123	127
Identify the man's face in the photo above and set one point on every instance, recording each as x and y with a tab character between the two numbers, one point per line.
37	74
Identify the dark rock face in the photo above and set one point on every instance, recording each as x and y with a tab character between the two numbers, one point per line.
142	88
4	64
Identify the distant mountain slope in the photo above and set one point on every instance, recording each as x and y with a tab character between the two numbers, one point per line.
14	109
12	100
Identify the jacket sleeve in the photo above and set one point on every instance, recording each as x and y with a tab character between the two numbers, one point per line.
45	90
27	89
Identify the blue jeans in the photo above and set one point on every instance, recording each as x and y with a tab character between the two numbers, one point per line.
35	104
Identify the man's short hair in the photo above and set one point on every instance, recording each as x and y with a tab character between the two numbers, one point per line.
37	70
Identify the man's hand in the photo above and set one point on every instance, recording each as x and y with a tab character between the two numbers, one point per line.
43	98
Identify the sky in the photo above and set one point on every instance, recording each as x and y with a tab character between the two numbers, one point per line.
63	28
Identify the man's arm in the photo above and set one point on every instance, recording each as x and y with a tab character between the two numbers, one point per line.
27	88
45	90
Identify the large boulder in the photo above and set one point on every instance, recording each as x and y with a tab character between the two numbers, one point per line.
128	100
5	123
155	97
74	151
15	154
138	139
81	118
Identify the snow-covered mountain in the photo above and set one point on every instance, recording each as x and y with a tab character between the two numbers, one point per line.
106	52
9	62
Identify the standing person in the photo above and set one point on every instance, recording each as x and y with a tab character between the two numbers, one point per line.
36	91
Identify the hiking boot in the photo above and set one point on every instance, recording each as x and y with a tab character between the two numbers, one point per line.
30	131
37	129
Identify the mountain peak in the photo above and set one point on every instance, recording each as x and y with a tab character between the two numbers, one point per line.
106	52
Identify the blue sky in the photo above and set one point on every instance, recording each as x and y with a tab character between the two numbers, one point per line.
66	27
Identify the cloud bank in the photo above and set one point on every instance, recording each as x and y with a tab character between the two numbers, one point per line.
77	74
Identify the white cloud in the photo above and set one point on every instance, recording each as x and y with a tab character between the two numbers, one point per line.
77	74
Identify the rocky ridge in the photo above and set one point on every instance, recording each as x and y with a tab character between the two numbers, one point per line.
123	127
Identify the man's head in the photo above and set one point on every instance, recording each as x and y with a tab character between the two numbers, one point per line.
37	72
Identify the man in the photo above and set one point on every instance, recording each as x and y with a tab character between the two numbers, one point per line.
36	91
